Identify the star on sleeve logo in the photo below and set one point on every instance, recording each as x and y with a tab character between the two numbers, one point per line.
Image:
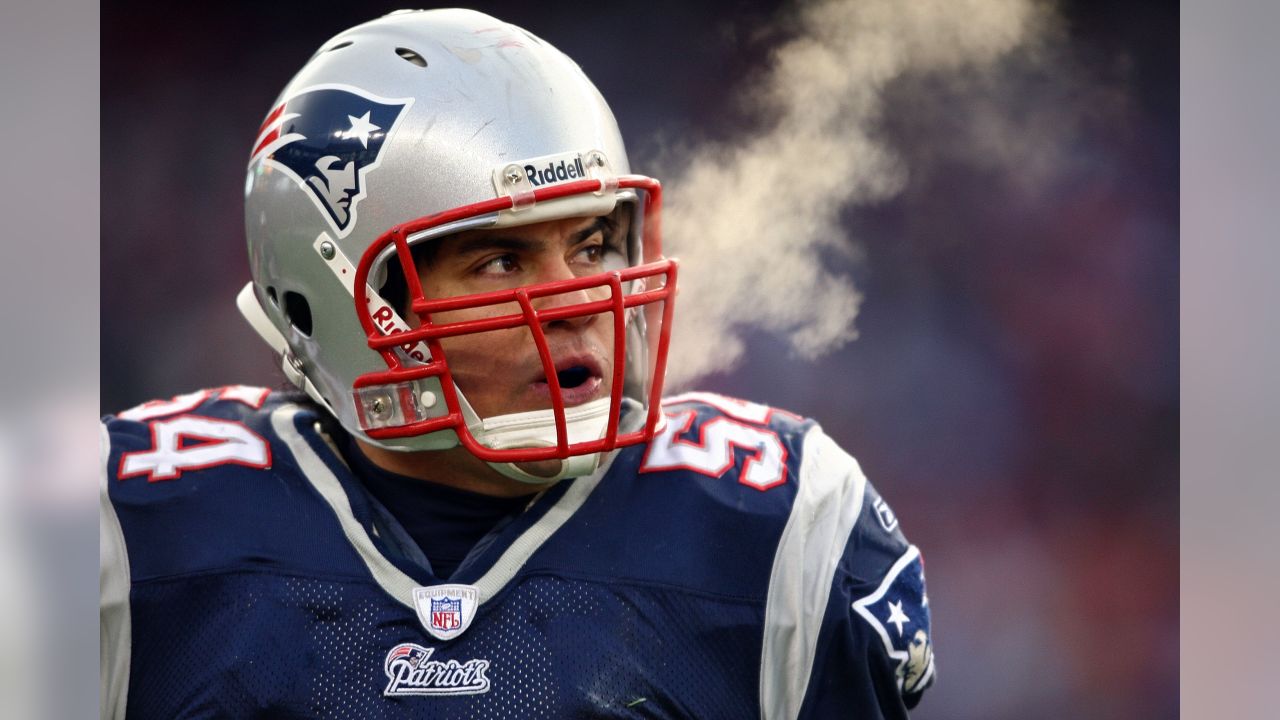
361	129
897	617
899	601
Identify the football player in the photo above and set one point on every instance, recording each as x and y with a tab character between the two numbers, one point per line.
477	502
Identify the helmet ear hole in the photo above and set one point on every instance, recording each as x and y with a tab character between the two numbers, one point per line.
395	290
298	311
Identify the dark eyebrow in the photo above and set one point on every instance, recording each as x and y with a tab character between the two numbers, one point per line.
492	243
600	225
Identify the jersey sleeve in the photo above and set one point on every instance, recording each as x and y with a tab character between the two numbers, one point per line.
113	600
847	628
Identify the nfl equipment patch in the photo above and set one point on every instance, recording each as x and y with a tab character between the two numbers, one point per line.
446	611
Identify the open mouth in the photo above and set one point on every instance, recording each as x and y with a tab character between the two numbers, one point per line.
580	380
573	377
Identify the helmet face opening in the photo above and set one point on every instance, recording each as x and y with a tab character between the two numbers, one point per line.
418	392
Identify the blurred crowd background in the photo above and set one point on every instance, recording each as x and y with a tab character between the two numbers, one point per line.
1013	390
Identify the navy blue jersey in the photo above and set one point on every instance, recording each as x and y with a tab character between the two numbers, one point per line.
739	565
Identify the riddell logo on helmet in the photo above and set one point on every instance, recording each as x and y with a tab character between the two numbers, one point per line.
529	174
555	172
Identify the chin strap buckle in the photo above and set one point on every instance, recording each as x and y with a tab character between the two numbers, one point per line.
385	406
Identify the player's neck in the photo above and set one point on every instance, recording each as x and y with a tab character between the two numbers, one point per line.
456	468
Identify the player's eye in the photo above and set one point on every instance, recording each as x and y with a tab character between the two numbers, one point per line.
592	253
596	253
500	265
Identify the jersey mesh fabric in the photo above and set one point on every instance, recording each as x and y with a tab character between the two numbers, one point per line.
273	646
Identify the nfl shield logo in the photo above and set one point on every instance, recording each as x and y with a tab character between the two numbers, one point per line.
446	613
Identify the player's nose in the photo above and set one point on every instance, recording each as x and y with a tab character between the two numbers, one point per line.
560	271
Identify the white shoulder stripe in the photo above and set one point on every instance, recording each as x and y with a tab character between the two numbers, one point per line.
395	582
519	552
828	501
114	630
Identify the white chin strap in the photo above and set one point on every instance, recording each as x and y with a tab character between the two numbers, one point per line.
537	428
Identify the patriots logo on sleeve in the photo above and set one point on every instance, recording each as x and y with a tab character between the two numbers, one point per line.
329	138
899	613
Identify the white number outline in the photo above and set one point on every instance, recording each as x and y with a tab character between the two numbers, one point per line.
679	423
151	412
236	447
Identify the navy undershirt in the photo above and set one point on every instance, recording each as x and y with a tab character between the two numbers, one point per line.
445	522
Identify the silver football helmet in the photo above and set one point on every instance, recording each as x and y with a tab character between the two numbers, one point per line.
410	128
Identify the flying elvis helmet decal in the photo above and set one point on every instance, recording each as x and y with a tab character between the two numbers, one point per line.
328	138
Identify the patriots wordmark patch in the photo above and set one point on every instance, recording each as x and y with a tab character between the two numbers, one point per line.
899	613
446	611
411	671
329	138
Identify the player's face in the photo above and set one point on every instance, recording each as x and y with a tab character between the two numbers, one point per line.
500	372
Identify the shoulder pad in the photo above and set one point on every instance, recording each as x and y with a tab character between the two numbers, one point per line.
885	589
201	480
863	606
877	540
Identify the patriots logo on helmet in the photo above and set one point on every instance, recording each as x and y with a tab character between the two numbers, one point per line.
329	139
